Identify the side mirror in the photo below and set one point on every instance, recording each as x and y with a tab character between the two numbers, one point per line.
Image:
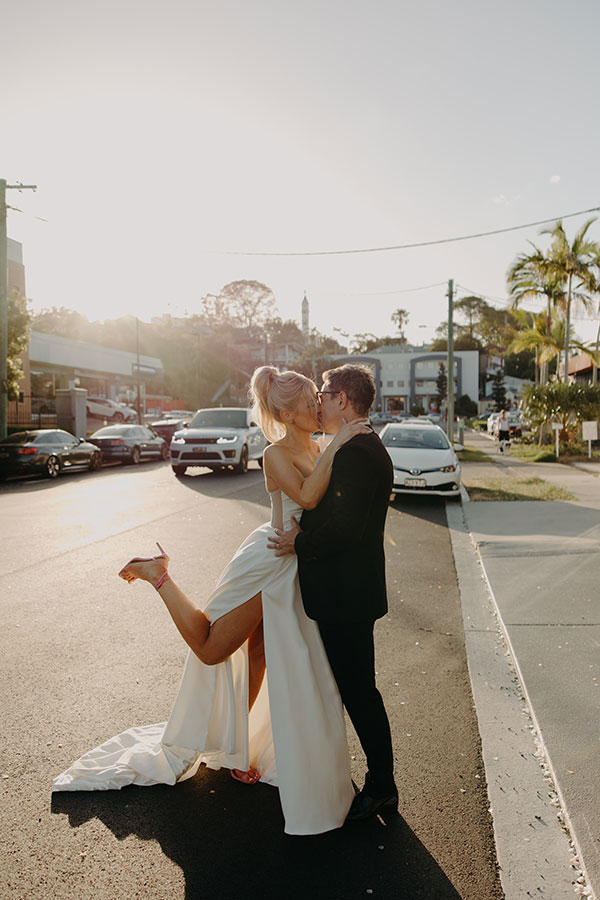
458	447
81	440
185	424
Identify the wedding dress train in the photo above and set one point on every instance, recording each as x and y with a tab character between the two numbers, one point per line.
295	734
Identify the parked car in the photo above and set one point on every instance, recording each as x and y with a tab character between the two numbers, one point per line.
515	423
102	408
434	417
480	421
218	438
129	443
46	451
167	427
179	413
491	422
423	460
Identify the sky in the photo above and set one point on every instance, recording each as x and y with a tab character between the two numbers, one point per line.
166	138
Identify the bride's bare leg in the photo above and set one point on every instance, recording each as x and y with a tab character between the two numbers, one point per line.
211	643
257	665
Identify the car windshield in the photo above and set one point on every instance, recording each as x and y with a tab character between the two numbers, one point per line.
219	418
112	430
416	438
20	437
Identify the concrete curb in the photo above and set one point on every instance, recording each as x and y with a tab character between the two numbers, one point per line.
535	853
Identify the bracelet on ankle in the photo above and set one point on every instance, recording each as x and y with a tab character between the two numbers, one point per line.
164	577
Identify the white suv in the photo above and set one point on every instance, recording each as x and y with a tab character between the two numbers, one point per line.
225	437
101	408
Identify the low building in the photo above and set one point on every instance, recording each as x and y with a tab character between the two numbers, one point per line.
57	362
581	368
406	376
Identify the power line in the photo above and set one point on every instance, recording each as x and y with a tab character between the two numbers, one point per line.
464	237
16	209
424	287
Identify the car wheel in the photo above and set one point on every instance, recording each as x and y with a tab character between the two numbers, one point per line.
52	467
135	456
179	470
118	417
242	467
95	462
164	452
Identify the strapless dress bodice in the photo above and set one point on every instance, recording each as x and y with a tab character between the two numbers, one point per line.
282	510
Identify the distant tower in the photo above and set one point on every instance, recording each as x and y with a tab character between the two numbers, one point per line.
305	316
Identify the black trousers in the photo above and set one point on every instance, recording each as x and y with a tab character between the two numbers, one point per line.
351	652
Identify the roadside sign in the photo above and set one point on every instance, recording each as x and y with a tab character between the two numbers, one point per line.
590	433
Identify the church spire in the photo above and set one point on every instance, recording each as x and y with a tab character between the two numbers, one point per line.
305	316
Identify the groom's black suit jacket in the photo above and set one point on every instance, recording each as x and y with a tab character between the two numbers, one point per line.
341	562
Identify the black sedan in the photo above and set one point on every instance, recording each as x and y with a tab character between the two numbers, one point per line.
129	443
46	451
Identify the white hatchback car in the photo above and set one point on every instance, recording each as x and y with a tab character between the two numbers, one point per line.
224	437
423	460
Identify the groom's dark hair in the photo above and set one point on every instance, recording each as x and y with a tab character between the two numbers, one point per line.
357	382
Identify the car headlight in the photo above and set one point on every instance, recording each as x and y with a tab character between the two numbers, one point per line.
178	440
448	469
227	440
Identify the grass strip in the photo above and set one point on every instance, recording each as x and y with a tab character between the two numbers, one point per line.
471	455
506	487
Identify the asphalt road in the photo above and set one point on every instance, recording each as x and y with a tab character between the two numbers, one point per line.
83	656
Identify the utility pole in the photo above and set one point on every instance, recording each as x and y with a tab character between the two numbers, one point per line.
450	388
137	348
4	301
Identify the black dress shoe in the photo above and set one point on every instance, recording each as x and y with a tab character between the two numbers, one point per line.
365	805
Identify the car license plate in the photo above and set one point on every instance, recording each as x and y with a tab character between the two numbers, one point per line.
201	452
415	482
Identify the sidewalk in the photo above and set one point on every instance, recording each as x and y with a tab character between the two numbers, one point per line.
542	567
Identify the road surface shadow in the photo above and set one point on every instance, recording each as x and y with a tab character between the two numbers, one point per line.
430	509
229	842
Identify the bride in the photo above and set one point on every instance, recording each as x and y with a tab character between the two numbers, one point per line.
284	726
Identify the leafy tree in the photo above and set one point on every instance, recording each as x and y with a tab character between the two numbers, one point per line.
569	404
18	321
464	406
462	342
441	385
63	322
498	390
248	303
472	308
574	263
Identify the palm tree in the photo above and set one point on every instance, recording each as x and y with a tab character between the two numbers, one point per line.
574	263
535	331
532	275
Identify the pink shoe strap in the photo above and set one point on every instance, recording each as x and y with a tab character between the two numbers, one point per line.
164	577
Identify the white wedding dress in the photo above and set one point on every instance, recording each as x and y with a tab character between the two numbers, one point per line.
295	734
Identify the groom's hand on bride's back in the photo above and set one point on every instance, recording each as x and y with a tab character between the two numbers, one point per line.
284	542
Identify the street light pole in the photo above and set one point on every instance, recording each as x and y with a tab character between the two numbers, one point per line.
137	347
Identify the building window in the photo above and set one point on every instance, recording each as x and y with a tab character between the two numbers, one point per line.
420	382
400	384
390	384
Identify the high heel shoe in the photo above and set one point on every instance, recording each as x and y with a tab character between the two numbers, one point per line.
162	560
252	776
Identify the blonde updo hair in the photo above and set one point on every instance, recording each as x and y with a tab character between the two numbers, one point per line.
272	391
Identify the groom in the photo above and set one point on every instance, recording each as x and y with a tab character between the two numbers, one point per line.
341	567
